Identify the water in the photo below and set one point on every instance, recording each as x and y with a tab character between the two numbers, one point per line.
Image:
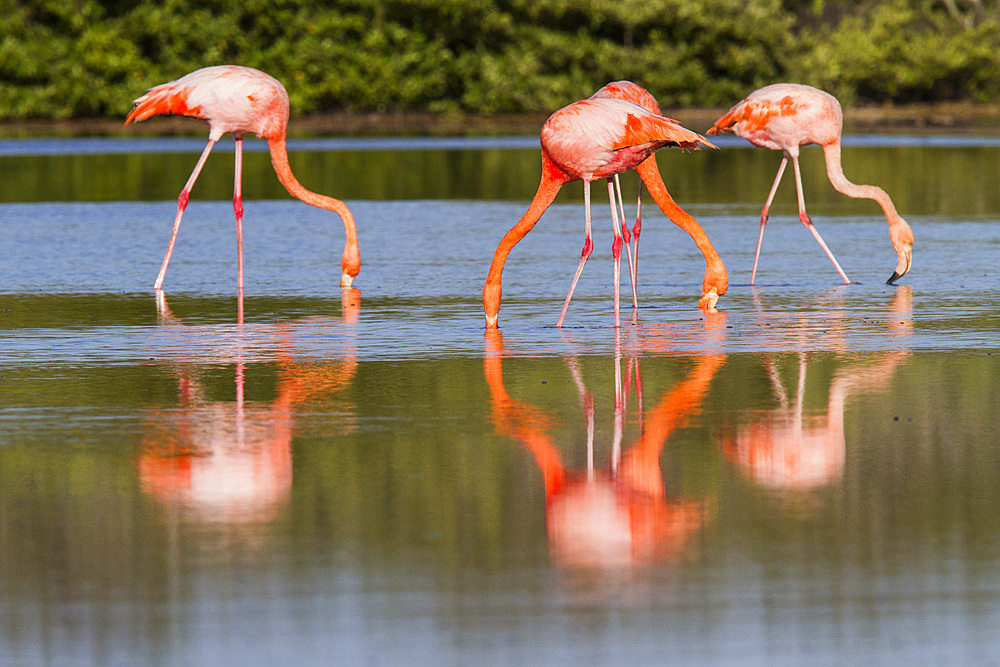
366	476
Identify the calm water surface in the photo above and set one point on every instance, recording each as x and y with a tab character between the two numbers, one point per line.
366	475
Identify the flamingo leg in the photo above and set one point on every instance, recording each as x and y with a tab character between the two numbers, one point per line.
238	210
764	213
588	248
636	229
182	202
804	217
616	248
628	246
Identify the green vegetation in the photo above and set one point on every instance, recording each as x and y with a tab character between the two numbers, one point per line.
90	58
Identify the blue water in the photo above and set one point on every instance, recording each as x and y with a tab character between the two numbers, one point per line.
111	146
359	477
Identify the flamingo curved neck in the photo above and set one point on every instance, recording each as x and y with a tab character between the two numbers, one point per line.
835	172
715	271
351	261
553	179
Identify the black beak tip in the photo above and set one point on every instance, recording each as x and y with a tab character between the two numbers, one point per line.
893	278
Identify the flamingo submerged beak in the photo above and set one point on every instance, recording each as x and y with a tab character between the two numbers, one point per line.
903	265
708	300
491	304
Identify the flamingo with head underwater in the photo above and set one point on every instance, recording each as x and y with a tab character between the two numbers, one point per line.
785	116
587	140
716	280
238	99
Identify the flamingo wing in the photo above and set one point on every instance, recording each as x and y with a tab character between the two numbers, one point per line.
648	127
753	114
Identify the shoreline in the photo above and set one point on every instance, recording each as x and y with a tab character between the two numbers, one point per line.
953	117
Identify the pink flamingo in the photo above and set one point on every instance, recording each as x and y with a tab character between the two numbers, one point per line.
589	139
716	280
239	100
785	116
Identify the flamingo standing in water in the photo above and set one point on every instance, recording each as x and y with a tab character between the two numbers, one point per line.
239	100
716	280
785	116
587	140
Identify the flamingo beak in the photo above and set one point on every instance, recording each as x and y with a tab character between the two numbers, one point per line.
708	301
903	265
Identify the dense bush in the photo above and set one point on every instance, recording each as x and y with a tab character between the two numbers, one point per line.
92	57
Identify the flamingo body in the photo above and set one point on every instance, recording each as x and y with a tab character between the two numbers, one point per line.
229	98
236	99
598	138
587	140
786	116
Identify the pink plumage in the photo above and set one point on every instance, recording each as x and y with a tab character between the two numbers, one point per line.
716	280
786	116
586	140
239	100
598	138
229	97
783	115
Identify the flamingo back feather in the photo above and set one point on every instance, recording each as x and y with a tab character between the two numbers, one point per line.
231	98
166	98
630	92
755	114
645	128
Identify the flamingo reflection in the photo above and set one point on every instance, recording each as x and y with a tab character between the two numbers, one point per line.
620	516
230	461
786	448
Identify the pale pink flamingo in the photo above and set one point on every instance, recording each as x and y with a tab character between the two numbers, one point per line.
785	116
589	139
716	280
240	100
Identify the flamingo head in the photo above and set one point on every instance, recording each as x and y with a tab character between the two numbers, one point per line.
902	242
708	300
491	303
714	285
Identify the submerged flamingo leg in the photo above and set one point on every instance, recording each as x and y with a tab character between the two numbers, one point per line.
588	248
182	202
804	217
238	210
764	214
628	245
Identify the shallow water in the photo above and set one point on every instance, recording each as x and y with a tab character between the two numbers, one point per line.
808	474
